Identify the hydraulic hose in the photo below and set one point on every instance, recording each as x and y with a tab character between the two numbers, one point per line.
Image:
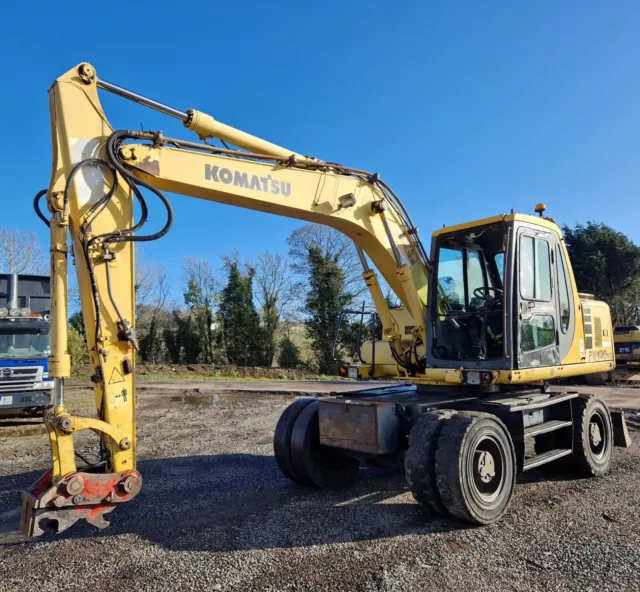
74	171
36	206
112	145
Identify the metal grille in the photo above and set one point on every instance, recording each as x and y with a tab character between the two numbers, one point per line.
597	324
12	377
408	329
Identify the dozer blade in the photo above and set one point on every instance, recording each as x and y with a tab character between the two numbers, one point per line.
621	436
87	496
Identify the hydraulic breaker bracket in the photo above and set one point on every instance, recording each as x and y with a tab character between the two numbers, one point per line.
79	495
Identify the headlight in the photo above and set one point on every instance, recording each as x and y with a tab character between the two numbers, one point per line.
14	312
25	312
4	312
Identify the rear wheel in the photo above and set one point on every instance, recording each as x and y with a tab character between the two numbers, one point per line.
475	467
419	461
313	463
592	436
596	379
282	439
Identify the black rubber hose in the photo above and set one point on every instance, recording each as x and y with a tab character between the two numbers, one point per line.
36	206
94	291
112	144
74	171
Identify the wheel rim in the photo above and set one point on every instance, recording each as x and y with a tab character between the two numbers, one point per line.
488	470
598	435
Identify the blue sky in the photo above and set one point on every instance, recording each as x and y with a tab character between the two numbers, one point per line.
467	109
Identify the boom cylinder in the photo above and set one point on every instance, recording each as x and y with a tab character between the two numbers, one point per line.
202	124
389	326
207	127
141	99
59	360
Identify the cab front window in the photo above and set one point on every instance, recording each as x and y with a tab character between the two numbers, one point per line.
470	275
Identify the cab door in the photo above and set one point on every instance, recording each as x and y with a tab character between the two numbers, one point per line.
537	338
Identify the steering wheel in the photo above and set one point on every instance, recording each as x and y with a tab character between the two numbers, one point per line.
484	293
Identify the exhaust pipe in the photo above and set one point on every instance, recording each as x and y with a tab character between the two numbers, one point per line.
12	291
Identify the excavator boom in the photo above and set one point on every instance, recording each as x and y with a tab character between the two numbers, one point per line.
97	175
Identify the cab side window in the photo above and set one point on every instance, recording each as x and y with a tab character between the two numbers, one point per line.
563	293
535	268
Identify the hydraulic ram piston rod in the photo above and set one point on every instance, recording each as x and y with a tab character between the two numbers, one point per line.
142	100
204	125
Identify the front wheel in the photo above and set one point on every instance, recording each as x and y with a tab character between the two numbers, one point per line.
420	463
475	467
592	436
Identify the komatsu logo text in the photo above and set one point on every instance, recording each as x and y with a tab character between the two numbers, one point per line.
264	184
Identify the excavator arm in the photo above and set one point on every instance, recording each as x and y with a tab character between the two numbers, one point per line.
97	176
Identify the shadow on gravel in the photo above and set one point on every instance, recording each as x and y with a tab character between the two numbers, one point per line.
240	501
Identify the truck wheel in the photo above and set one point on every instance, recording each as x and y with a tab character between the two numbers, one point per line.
282	439
475	467
314	464
592	436
419	461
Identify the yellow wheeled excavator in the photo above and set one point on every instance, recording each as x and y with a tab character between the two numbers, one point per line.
487	320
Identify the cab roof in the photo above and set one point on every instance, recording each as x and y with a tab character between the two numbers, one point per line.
547	223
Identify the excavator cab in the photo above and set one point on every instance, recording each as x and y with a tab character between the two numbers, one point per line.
501	296
470	298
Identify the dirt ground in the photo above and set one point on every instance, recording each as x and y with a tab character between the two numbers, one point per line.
216	514
207	371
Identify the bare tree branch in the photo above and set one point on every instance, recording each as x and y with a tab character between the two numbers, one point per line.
20	252
332	243
276	293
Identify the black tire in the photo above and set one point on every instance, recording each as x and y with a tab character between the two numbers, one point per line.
592	436
321	466
419	461
282	439
470	447
596	379
384	461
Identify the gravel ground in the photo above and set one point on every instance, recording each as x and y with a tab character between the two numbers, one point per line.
216	514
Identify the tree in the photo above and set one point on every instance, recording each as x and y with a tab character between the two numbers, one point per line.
152	294
20	252
200	296
326	299
242	333
605	263
331	243
275	293
182	338
289	354
77	347
76	321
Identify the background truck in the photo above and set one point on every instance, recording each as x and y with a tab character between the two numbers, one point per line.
626	339
25	303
